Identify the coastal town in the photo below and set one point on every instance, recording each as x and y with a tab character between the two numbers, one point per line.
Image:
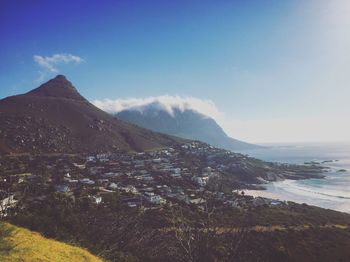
187	175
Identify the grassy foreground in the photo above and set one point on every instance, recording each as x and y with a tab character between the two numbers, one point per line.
19	244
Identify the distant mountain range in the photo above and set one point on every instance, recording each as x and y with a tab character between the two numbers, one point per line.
186	123
55	118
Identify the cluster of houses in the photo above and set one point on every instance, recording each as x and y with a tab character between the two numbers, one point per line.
147	179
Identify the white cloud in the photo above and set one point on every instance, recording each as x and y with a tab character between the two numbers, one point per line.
166	102
48	64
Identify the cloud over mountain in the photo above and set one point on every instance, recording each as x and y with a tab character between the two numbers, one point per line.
165	102
185	117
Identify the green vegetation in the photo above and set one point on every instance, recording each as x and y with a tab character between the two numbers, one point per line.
289	232
210	222
19	244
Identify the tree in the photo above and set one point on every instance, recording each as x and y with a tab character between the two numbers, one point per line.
185	234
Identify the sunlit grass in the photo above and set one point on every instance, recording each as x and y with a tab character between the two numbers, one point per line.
19	244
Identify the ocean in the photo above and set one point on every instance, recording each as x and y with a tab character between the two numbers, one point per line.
332	192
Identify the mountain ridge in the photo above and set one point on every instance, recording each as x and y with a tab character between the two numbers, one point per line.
186	123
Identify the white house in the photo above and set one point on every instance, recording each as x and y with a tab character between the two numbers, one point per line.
6	203
177	170
157	160
113	186
153	198
90	158
201	181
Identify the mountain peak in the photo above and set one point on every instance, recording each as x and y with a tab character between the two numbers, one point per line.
58	87
55	118
59	81
61	77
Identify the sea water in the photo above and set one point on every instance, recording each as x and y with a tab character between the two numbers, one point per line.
332	192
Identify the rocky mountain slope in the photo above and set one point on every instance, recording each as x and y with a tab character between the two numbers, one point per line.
182	123
55	118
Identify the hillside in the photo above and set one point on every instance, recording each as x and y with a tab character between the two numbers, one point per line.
55	118
185	123
104	206
19	244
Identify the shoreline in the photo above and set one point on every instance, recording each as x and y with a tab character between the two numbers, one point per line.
325	189
290	190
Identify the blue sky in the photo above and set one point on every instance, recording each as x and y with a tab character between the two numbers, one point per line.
276	70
